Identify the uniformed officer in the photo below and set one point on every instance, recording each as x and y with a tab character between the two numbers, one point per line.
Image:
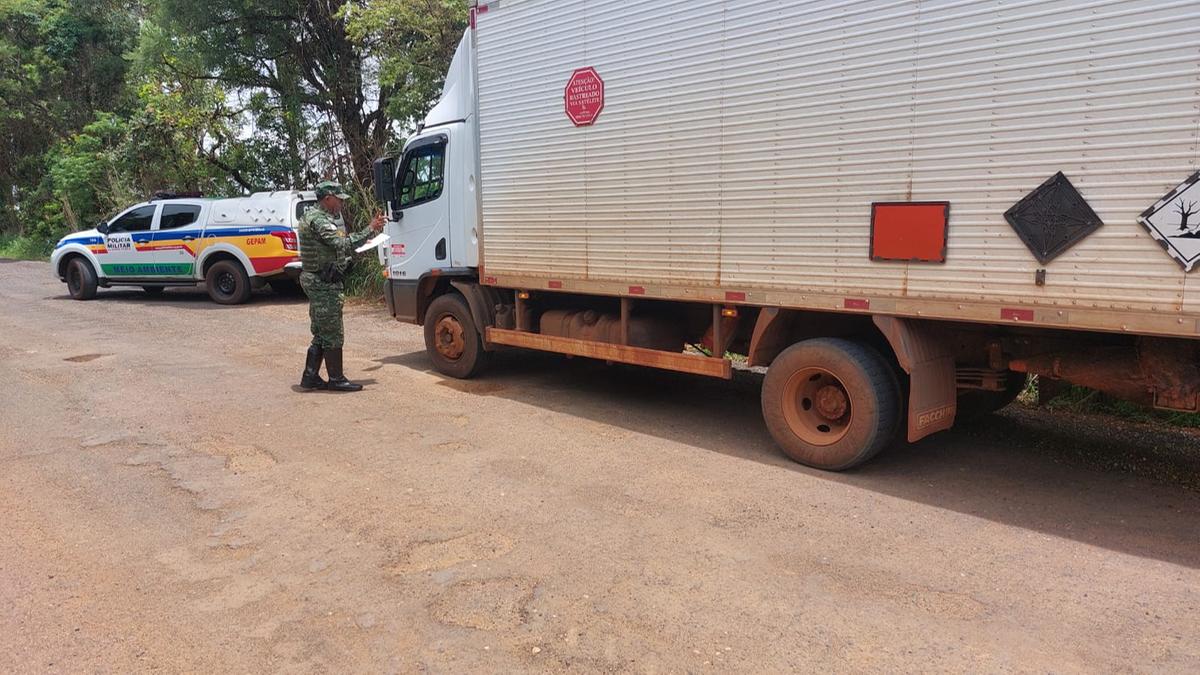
325	254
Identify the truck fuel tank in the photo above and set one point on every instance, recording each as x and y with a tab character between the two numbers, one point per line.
588	324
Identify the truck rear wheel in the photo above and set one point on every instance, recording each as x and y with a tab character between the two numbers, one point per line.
452	339
831	403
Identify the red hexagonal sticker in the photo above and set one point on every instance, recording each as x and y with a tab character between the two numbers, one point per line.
584	97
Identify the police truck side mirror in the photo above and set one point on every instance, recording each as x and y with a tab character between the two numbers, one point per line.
102	228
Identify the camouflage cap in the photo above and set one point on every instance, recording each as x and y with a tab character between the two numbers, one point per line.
329	187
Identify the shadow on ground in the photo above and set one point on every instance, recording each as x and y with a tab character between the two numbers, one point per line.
1117	486
189	298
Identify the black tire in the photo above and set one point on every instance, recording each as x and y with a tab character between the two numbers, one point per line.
286	287
81	279
831	403
227	283
452	340
975	404
153	291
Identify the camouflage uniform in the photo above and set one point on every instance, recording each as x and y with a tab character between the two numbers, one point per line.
322	243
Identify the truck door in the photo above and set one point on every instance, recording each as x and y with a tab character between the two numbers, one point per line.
421	240
125	233
172	251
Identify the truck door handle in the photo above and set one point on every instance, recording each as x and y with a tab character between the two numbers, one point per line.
189	238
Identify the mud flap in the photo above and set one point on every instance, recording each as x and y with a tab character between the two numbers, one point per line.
933	393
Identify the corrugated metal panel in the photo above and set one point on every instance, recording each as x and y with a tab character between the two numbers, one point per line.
743	141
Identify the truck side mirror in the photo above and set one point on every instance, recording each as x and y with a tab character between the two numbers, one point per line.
102	228
385	180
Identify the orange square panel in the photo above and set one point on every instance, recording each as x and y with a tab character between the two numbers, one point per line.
909	231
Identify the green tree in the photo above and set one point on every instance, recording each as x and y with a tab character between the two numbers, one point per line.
105	101
60	60
410	43
296	50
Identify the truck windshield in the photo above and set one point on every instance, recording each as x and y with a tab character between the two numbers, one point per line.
424	170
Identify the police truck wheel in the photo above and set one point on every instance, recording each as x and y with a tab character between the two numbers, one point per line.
831	403
286	287
227	283
451	338
81	279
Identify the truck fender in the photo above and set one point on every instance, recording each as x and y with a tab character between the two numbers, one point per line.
482	300
777	329
772	334
929	362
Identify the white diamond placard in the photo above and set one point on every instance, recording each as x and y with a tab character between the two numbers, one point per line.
1175	222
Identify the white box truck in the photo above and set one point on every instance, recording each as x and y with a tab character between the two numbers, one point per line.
902	207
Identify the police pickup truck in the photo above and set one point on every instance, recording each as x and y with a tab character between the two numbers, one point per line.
230	245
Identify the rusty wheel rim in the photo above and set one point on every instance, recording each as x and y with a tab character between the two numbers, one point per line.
817	406
448	338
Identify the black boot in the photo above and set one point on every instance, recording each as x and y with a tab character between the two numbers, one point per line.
312	370
337	379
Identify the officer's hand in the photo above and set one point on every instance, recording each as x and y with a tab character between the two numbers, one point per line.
377	223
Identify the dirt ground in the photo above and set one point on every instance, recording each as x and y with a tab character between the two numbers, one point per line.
171	503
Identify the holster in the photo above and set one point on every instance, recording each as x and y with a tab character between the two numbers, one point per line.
332	273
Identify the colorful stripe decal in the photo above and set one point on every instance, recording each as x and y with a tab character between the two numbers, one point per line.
84	241
266	252
149	270
267	265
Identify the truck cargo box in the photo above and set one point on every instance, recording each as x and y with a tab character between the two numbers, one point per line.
740	146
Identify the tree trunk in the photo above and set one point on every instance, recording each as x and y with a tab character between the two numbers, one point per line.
339	71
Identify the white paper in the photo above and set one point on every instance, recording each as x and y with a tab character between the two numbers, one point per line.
376	241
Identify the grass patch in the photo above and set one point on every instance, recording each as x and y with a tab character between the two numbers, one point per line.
1084	400
365	279
20	247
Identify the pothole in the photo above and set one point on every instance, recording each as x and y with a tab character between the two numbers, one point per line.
486	604
438	555
84	358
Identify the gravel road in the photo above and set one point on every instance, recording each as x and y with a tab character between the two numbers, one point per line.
172	503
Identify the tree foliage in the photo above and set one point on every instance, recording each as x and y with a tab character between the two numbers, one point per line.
410	43
60	60
105	101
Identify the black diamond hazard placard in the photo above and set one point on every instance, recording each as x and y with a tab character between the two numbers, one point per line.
1052	218
1174	221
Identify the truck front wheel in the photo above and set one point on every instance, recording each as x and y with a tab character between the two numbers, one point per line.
452	339
830	403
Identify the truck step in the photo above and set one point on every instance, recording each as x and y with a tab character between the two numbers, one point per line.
679	362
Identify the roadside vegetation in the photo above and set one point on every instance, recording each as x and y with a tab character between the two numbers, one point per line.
104	102
24	247
1091	402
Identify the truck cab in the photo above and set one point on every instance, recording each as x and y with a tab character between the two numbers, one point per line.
431	193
